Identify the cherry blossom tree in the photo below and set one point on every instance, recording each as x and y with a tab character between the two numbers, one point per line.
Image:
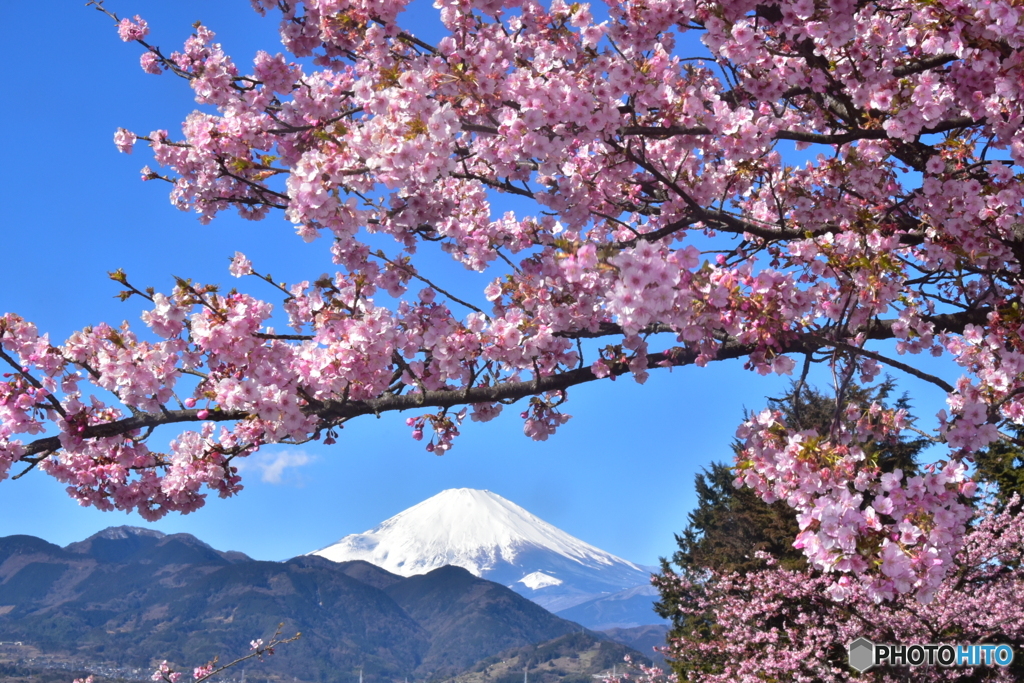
668	226
782	624
740	614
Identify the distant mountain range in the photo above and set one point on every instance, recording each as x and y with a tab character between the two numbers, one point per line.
129	597
496	539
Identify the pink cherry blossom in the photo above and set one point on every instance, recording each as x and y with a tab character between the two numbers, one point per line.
240	265
132	30
662	221
124	140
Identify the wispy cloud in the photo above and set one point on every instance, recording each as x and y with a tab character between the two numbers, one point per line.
271	465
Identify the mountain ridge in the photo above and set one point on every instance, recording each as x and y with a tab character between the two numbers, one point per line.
130	599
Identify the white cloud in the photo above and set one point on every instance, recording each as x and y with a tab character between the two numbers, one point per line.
272	465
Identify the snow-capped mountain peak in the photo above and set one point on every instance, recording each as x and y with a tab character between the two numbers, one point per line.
468	528
493	538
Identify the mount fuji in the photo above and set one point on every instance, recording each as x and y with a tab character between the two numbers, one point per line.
497	540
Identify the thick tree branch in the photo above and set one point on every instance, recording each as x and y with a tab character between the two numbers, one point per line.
802	136
332	411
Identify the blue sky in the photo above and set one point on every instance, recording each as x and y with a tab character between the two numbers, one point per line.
619	475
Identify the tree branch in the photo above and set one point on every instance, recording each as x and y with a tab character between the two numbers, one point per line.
331	411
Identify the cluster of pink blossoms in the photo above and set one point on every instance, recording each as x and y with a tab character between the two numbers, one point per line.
850	514
660	213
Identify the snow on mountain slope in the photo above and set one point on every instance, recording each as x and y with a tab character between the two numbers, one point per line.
539	580
495	539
